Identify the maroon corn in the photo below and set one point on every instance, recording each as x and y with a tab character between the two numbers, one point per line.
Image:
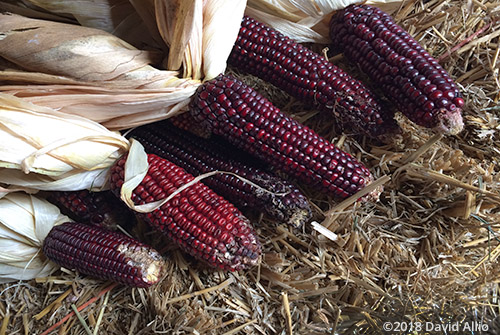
185	121
277	197
96	208
231	109
200	222
408	74
309	77
103	254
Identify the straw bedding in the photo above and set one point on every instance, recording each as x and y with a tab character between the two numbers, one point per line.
426	252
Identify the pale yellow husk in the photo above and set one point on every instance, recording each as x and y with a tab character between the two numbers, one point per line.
46	149
25	221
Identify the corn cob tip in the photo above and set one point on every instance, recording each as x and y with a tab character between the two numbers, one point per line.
146	259
299	217
449	122
374	195
292	207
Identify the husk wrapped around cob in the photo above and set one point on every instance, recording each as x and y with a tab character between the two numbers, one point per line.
36	239
43	149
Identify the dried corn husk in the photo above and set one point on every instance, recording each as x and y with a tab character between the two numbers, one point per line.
77	52
118	17
46	149
180	25
130	97
25	221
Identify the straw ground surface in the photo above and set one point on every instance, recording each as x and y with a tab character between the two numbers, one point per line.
425	254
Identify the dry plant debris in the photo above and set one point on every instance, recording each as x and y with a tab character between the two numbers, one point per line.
426	252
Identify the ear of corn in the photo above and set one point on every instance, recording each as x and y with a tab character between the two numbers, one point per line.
236	112
277	197
200	222
309	77
408	74
96	208
103	254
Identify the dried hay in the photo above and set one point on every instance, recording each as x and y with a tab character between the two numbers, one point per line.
426	252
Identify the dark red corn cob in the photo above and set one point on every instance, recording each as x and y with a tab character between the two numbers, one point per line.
231	109
198	156
96	208
200	222
103	254
309	77
185	121
408	74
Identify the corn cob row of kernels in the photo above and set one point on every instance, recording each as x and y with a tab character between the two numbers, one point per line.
199	221
103	254
277	197
185	121
96	208
395	61
309	77
236	112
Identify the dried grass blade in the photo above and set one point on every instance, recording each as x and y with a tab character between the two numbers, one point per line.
56	302
221	286
288	315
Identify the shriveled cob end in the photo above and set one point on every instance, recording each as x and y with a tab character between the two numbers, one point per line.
236	112
275	196
395	61
103	254
96	208
200	222
286	203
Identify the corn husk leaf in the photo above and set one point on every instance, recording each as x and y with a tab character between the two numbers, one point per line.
137	96
118	17
77	52
114	108
221	24
200	34
136	168
179	23
40	145
25	221
20	7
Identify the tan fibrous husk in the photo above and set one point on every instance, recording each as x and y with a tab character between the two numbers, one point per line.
62	49
134	93
117	17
